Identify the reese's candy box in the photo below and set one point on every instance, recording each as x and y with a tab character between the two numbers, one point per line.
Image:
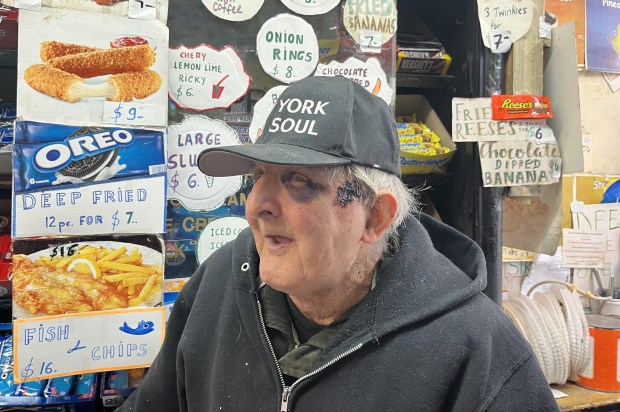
520	106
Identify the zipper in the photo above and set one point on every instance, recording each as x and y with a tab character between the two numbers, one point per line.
286	390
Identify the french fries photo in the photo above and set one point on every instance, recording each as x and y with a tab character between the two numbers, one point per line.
92	278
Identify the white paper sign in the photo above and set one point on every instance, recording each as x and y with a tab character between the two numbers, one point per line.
216	234
287	48
369	74
378	16
121	206
135	113
310	7
142	9
583	248
79	343
472	122
262	108
603	217
519	163
233	10
29	4
203	78
514	16
500	41
186	183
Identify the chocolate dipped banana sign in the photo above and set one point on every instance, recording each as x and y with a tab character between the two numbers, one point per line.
67	75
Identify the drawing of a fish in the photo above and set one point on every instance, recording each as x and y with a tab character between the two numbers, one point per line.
143	328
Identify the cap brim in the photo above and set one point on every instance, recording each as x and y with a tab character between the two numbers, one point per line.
236	160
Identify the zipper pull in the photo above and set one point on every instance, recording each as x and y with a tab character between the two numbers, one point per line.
285	394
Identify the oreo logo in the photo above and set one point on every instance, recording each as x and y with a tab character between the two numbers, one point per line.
80	145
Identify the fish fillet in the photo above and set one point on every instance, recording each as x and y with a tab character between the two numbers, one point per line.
47	290
52	48
108	61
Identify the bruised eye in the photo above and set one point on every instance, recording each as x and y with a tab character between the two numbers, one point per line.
296	180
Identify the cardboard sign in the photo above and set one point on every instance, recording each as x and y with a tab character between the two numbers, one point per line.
378	17
216	234
369	74
203	78
121	206
66	76
262	108
86	342
512	16
519	163
287	48
310	7
472	122
233	10
186	183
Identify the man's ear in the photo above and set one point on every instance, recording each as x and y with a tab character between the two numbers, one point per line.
381	216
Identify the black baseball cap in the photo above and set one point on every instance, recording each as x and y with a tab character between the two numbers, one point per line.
317	121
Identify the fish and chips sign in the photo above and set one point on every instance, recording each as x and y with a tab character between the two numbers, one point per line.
512	153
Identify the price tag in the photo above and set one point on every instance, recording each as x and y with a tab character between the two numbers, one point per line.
541	134
500	41
142	9
135	113
544	28
28	4
370	41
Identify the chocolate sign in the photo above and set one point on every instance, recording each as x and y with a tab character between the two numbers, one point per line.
369	74
186	182
287	48
203	78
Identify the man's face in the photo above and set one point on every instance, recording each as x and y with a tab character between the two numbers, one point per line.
308	239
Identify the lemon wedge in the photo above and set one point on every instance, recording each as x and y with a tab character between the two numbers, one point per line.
85	265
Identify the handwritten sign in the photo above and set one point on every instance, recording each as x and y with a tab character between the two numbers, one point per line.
368	74
216	234
262	108
135	113
310	7
142	9
379	17
512	254
233	10
203	78
122	206
79	343
583	248
471	122
500	41
186	183
513	16
604	217
287	48
519	163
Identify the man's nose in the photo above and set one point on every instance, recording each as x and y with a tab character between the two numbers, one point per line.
264	198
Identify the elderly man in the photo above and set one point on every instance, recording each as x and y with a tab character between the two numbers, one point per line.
341	297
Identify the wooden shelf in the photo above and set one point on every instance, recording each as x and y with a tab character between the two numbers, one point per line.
423	81
580	398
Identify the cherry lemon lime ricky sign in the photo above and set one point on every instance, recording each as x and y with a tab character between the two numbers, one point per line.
203	78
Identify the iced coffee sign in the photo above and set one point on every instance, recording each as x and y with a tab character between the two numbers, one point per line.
186	183
370	23
519	163
203	77
369	74
233	10
287	48
216	234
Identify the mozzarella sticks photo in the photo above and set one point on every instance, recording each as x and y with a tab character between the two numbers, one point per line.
51	49
66	65
108	61
53	82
